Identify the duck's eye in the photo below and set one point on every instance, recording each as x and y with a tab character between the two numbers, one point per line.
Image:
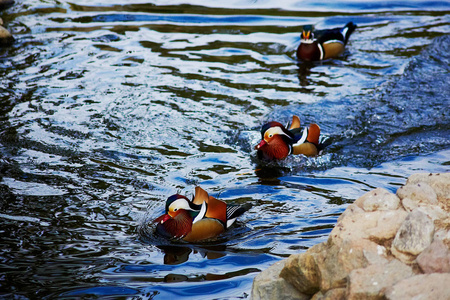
175	209
270	135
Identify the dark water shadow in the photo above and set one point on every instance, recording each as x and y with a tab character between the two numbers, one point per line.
304	72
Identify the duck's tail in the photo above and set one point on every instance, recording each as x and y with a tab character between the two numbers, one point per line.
324	142
347	30
234	211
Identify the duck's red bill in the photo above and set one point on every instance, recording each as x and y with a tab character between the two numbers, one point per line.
262	143
162	219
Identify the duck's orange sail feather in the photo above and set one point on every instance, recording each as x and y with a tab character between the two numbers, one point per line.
295	123
313	134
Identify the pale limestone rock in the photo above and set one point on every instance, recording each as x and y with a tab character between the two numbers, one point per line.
334	294
388	224
421	287
301	270
355	264
435	259
268	285
353	226
417	193
439	182
379	258
407	258
434	212
409	204
350	210
443	235
326	266
444	224
414	236
375	225
372	281
378	199
339	260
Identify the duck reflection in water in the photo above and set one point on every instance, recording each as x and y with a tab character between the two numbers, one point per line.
175	255
303	72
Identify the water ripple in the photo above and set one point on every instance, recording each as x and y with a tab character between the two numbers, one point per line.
108	108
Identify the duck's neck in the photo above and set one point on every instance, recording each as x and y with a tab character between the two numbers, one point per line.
277	150
308	50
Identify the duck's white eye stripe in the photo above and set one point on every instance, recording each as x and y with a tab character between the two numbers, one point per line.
275	130
179	204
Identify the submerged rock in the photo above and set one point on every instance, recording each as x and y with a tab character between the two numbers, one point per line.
378	249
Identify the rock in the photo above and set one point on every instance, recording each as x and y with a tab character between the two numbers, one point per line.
375	225
380	257
353	226
350	210
326	266
334	294
443	235
434	212
5	37
413	194
439	182
378	199
339	260
387	225
435	259
425	286
376	249
414	236
268	285
302	272
1	21
372	281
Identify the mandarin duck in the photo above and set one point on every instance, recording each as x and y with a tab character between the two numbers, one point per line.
277	142
323	44
203	218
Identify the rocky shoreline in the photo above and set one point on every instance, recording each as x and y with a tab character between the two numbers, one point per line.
6	37
384	246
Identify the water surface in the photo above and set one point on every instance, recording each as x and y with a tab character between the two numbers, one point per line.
109	107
